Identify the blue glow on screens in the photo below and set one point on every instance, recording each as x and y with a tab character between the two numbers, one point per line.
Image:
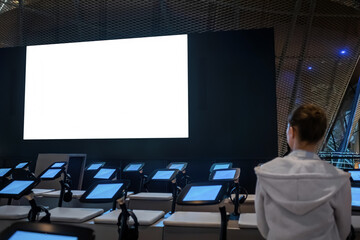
177	166
133	167
51	173
21	235
58	165
221	166
16	187
105	173
104	191
95	166
355	196
202	193
355	175
162	175
224	174
4	171
21	165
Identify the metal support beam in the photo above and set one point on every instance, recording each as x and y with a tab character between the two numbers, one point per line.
354	105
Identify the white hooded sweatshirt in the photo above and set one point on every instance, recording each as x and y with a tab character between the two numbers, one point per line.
302	197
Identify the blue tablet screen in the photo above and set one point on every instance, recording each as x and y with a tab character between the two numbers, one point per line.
177	166
16	187
221	166
162	175
355	196
58	165
51	173
355	175
105	173
202	193
104	191
133	167
224	174
21	165
95	166
21	235
4	171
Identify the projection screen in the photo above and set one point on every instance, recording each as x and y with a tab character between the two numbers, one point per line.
128	88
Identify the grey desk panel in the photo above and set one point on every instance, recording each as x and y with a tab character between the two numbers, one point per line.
151	201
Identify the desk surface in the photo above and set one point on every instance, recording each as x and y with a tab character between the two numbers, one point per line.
39	191
151	196
14	212
55	194
145	217
74	215
194	219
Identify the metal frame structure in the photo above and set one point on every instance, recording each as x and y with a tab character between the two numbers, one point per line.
308	36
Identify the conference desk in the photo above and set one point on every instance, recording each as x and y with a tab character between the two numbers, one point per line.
184	227
158	231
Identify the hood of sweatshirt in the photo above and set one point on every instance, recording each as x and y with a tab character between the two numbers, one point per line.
300	181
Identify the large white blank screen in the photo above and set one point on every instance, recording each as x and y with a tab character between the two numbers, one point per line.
129	88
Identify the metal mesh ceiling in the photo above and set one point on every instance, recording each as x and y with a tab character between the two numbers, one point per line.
309	35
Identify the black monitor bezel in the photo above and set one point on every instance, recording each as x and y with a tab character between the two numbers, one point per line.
221	195
355	208
172	177
351	179
102	164
141	167
113	175
51	166
118	194
25	191
6	174
182	169
214	164
26	165
236	176
58	229
55	177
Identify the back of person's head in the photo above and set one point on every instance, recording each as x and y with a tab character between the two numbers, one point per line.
310	122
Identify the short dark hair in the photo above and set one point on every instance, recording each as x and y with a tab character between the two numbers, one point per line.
311	122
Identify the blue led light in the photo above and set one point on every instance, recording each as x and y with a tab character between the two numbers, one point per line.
343	51
309	68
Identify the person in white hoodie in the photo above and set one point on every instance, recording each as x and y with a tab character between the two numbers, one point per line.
300	196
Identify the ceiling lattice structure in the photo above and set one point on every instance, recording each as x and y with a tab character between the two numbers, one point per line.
309	35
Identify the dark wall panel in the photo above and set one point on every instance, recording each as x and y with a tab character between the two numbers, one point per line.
232	111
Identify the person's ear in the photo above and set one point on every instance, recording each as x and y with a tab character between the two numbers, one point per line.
290	135
291	132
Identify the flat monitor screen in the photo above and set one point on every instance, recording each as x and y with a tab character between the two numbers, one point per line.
222	166
104	191
21	165
51	173
162	175
111	89
22	235
224	174
95	166
58	165
355	197
16	187
133	167
202	193
4	171
178	166
104	173
355	175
